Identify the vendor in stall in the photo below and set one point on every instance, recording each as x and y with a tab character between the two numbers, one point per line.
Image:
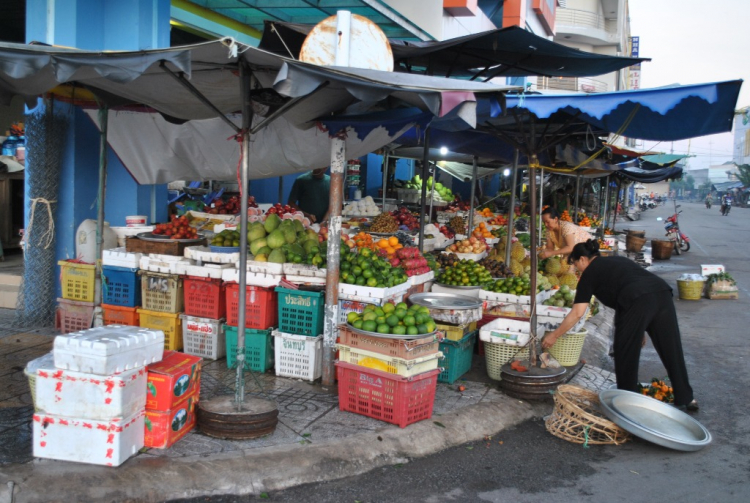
643	304
562	236
310	194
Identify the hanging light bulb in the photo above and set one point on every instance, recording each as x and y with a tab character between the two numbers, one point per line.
443	150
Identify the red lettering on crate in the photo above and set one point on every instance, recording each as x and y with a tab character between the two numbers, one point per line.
88	425
107	401
58	387
110	385
43	444
204	328
109	453
58	374
372	381
111	438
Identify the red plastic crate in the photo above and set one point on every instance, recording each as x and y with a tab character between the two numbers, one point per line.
204	297
387	397
121	315
261	306
73	315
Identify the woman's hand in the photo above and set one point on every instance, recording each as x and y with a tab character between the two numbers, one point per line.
550	340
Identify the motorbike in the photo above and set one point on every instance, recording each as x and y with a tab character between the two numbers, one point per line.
680	240
725	207
708	204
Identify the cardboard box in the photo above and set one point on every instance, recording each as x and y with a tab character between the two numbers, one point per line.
707	269
172	380
162	429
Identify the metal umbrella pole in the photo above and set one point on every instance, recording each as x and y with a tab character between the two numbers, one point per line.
474	170
511	212
281	190
247	119
386	161
541	201
432	191
425	160
578	192
605	220
103	120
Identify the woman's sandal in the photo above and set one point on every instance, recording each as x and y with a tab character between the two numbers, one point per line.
691	407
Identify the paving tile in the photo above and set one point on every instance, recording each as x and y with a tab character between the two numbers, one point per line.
15	445
12	417
448	398
15	361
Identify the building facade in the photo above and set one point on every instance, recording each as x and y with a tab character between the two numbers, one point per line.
741	151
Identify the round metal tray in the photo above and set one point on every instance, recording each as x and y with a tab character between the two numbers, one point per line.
445	301
382	234
387	336
160	238
467	287
654	421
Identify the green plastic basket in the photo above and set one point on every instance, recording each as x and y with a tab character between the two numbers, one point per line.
458	355
301	312
258	348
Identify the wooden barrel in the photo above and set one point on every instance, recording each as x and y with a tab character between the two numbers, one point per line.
661	249
634	243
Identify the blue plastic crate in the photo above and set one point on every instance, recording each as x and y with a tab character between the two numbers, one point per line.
458	355
121	286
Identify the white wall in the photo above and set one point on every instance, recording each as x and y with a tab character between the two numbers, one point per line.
741	151
594	6
426	14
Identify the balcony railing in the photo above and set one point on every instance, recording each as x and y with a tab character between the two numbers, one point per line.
575	84
584	19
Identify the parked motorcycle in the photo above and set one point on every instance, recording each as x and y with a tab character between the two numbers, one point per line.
680	240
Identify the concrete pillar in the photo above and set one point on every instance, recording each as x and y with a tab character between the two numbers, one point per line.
97	25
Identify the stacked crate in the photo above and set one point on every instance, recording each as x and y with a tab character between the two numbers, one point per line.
90	397
75	309
298	344
121	287
162	297
457	347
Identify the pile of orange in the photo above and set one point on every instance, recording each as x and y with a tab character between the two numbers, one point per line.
485	213
585	222
363	240
481	231
498	220
566	216
390	245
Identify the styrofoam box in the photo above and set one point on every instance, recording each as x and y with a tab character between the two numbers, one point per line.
108	350
213	271
204	254
252	278
118	257
263	267
549	318
108	443
707	269
126	232
303	270
90	396
162	263
372	295
422	278
507	298
506	331
476	257
305	280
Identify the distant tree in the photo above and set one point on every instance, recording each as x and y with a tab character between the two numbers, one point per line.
743	174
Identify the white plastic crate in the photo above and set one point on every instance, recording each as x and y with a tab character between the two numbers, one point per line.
203	337
390	364
422	278
305	280
349	306
204	254
90	396
162	263
476	257
263	267
507	298
118	257
108	443
108	350
298	356
304	270
373	295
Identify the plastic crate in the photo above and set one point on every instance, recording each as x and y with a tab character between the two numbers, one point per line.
398	348
393	399
205	297
203	337
77	281
121	315
301	312
298	356
121	286
261	306
458	356
497	354
73	315
258	348
389	364
456	332
161	292
169	323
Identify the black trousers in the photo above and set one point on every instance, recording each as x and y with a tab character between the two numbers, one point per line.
654	314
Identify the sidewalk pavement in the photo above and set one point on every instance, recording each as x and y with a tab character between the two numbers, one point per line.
313	442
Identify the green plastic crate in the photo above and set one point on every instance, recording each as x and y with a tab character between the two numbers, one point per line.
258	348
458	355
301	312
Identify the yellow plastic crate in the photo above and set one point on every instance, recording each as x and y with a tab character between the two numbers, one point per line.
389	364
169	323
78	281
456	332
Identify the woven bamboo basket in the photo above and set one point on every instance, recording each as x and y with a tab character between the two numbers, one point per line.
690	290
661	249
634	243
578	419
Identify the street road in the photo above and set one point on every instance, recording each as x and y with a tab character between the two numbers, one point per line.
527	464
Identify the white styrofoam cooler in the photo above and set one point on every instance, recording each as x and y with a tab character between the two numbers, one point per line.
108	443
108	350
118	257
506	331
75	394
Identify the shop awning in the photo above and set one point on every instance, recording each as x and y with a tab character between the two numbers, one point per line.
650	176
725	186
465	172
505	52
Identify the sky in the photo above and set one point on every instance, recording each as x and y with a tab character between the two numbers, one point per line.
690	42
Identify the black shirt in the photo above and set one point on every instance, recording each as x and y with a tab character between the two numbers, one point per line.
617	282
